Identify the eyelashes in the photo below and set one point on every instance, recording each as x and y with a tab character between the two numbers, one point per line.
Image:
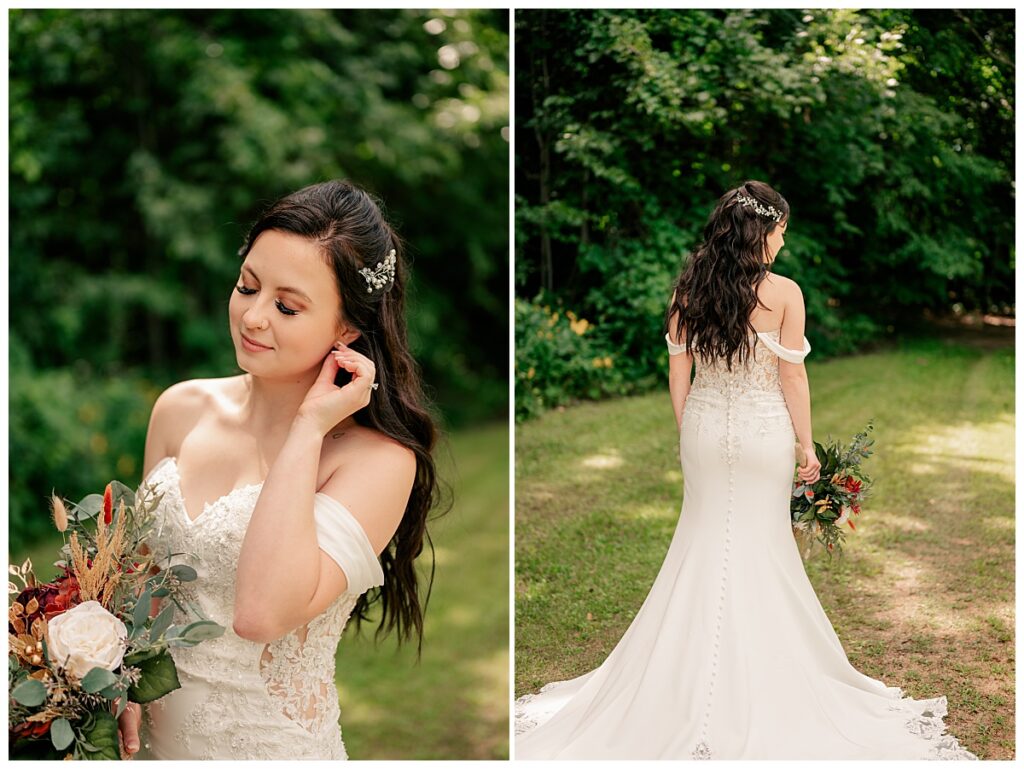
280	305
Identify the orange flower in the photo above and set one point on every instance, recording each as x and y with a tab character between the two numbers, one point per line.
108	503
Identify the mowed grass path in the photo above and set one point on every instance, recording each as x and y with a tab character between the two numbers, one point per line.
924	598
454	703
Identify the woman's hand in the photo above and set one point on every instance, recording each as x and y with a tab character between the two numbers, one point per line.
810	468
326	404
128	729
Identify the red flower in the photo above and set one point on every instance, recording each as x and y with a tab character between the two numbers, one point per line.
108	504
66	596
850	521
856	508
30	729
53	598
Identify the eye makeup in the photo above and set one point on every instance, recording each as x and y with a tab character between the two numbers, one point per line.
284	309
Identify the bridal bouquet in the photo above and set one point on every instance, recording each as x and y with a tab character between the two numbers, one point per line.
820	510
84	645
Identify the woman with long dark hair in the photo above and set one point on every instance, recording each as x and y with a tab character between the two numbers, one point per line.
731	655
301	487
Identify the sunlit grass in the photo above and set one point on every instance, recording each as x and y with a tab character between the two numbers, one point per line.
924	598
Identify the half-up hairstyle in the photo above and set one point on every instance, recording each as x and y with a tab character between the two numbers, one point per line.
717	290
348	225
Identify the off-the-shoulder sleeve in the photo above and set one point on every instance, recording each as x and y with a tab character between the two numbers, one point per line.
673	348
339	535
792	356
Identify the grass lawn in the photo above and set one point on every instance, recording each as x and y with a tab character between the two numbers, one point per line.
924	598
454	703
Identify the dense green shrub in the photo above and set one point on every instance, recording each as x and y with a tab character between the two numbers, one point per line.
558	359
70	433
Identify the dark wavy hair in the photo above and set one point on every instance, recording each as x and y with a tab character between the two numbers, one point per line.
717	289
349	226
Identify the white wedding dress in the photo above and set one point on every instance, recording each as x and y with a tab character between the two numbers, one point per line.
240	699
731	655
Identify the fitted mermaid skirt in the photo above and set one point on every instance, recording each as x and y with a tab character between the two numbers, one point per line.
731	655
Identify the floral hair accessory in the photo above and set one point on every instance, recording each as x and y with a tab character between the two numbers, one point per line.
771	211
382	274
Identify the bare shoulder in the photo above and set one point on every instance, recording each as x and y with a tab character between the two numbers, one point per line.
782	283
370	451
177	410
785	288
372	475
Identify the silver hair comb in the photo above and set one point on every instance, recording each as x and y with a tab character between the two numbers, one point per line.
771	211
382	274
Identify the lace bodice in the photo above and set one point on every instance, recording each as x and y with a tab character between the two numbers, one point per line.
728	404
758	375
247	699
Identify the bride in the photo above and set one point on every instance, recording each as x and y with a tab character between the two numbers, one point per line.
304	501
731	655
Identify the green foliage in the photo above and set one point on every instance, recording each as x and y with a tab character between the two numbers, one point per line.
99	732
159	677
142	145
557	360
887	131
68	432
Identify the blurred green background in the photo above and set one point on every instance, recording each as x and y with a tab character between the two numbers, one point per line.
890	133
142	145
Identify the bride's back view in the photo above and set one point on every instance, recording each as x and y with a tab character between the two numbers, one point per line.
731	655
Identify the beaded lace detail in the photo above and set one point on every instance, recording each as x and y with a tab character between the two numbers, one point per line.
286	686
729	405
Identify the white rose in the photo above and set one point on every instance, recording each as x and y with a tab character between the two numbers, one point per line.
844	515
87	636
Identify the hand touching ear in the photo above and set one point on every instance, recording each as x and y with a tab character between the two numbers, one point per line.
326	404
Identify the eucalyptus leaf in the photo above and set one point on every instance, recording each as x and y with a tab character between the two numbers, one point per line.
183	572
204	630
61	733
29	693
119	491
97	679
141	612
113	691
162	622
139	655
88	507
